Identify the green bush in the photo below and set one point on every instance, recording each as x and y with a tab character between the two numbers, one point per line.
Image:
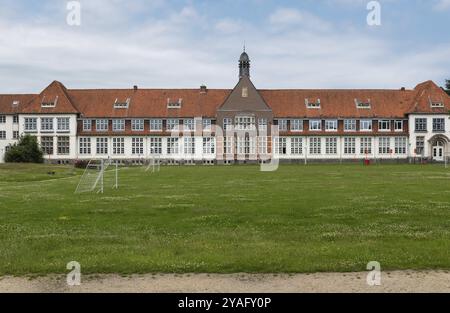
26	151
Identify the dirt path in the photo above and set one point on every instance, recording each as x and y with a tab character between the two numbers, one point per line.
396	281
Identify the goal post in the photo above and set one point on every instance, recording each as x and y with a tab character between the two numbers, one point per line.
93	178
153	164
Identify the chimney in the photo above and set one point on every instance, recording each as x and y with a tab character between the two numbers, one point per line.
403	89
203	89
135	87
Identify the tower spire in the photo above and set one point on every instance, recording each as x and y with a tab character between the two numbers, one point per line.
244	64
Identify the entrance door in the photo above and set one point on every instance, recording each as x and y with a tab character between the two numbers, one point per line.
438	152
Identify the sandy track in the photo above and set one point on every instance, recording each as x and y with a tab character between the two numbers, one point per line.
395	281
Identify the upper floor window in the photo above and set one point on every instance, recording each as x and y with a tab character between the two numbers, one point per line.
121	105
262	124
118	125
2	119
384	125
437	104
172	124
315	125
331	125
398	126
421	124
365	125
349	125
189	124
30	124
438	124
63	123
46	124
206	124
171	104
296	125
49	104
137	125
155	125
244	92
312	105
87	125
245	122
2	134
15	119
101	125
362	104
227	123
282	125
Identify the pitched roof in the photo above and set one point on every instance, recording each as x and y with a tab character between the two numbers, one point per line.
55	92
11	104
427	93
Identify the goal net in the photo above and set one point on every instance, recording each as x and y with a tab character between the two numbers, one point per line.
96	176
153	164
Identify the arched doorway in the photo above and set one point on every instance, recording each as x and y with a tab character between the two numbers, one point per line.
438	146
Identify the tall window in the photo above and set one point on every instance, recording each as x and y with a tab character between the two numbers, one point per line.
118	125
208	145
102	145
421	124
366	145
189	124
85	145
296	125
400	145
246	145
101	125
2	134
46	124
63	144
228	143
331	145
15	119
137	125
349	145
438	125
227	123
262	124
2	119
172	124
30	124
365	125
137	145
349	125
384	145
398	125
155	145
63	124
315	125
384	125
420	145
47	145
156	125
262	145
172	145
315	145
282	125
15	134
296	145
244	122
189	145
87	125
206	124
118	145
280	143
331	125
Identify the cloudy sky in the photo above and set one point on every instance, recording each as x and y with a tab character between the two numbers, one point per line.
186	43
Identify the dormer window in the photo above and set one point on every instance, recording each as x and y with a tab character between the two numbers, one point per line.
49	103
122	105
362	104
174	104
312	105
15	103
244	92
437	105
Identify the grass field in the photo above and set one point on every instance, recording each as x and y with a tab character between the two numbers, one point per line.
226	219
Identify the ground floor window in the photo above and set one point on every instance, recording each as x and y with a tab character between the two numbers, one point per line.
228	145
63	144
172	145
208	145
280	143
246	145
118	146
155	145
2	134
400	145
366	145
420	145
315	145
15	134
296	145
189	145
331	145
47	145
85	145
349	145
384	145
137	145
102	145
262	145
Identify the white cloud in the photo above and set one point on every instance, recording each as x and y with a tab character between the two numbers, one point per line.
442	5
288	17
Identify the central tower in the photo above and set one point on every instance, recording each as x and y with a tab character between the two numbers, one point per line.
244	65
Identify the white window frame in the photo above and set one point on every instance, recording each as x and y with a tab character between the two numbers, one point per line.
189	124
365	145
296	125
138	125
365	125
349	145
398	123
47	124
156	125
30	124
384	123
85	145
209	146
331	125
87	125
118	125
384	145
315	123
331	145
172	124
173	145
282	125
101	146
349	125
101	125
155	145
296	145
63	124
315	145
137	145
118	145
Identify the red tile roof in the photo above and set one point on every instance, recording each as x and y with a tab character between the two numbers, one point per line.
284	103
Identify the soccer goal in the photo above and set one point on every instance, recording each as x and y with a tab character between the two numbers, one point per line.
96	176
153	164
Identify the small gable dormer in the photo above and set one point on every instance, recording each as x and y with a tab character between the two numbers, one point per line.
436	103
49	102
122	105
171	104
312	104
363	104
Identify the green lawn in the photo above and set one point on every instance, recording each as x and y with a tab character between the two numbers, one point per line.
226	219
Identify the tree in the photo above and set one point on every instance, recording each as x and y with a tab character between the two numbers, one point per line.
447	84
26	151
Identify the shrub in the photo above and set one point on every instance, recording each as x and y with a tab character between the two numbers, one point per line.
81	164
26	151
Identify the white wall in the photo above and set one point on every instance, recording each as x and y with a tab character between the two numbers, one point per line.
9	127
429	133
